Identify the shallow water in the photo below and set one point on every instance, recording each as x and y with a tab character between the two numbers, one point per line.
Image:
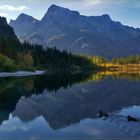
66	106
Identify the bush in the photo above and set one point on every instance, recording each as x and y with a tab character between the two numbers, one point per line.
6	64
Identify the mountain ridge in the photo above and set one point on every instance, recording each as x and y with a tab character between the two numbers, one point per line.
90	35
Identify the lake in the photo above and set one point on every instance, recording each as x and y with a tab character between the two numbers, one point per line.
66	106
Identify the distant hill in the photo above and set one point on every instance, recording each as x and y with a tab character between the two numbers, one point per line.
71	31
9	43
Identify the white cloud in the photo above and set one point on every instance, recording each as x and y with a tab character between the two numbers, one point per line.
95	2
3	14
12	8
90	2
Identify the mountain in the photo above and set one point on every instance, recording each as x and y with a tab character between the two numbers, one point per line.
66	29
27	23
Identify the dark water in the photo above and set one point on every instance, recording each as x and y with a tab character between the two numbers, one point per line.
66	106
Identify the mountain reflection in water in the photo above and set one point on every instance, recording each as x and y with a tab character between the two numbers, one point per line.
66	100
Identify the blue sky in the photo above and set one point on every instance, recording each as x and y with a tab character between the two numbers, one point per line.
125	11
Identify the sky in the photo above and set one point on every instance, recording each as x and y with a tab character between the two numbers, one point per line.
125	11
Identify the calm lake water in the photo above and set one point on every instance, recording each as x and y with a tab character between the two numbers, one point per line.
66	106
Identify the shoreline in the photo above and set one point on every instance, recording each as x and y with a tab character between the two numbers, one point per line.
120	67
21	73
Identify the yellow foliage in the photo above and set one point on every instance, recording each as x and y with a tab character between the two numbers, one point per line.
25	59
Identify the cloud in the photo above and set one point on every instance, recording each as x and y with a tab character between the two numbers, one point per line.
93	2
3	14
12	8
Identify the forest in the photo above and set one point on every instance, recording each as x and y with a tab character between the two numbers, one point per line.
132	59
32	57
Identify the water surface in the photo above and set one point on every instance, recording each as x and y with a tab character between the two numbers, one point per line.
66	106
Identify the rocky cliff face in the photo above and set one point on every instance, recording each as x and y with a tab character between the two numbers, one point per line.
24	25
66	29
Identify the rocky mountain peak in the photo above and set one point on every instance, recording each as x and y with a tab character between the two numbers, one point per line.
25	18
55	10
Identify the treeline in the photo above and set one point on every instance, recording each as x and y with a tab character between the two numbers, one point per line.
54	59
133	59
31	57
